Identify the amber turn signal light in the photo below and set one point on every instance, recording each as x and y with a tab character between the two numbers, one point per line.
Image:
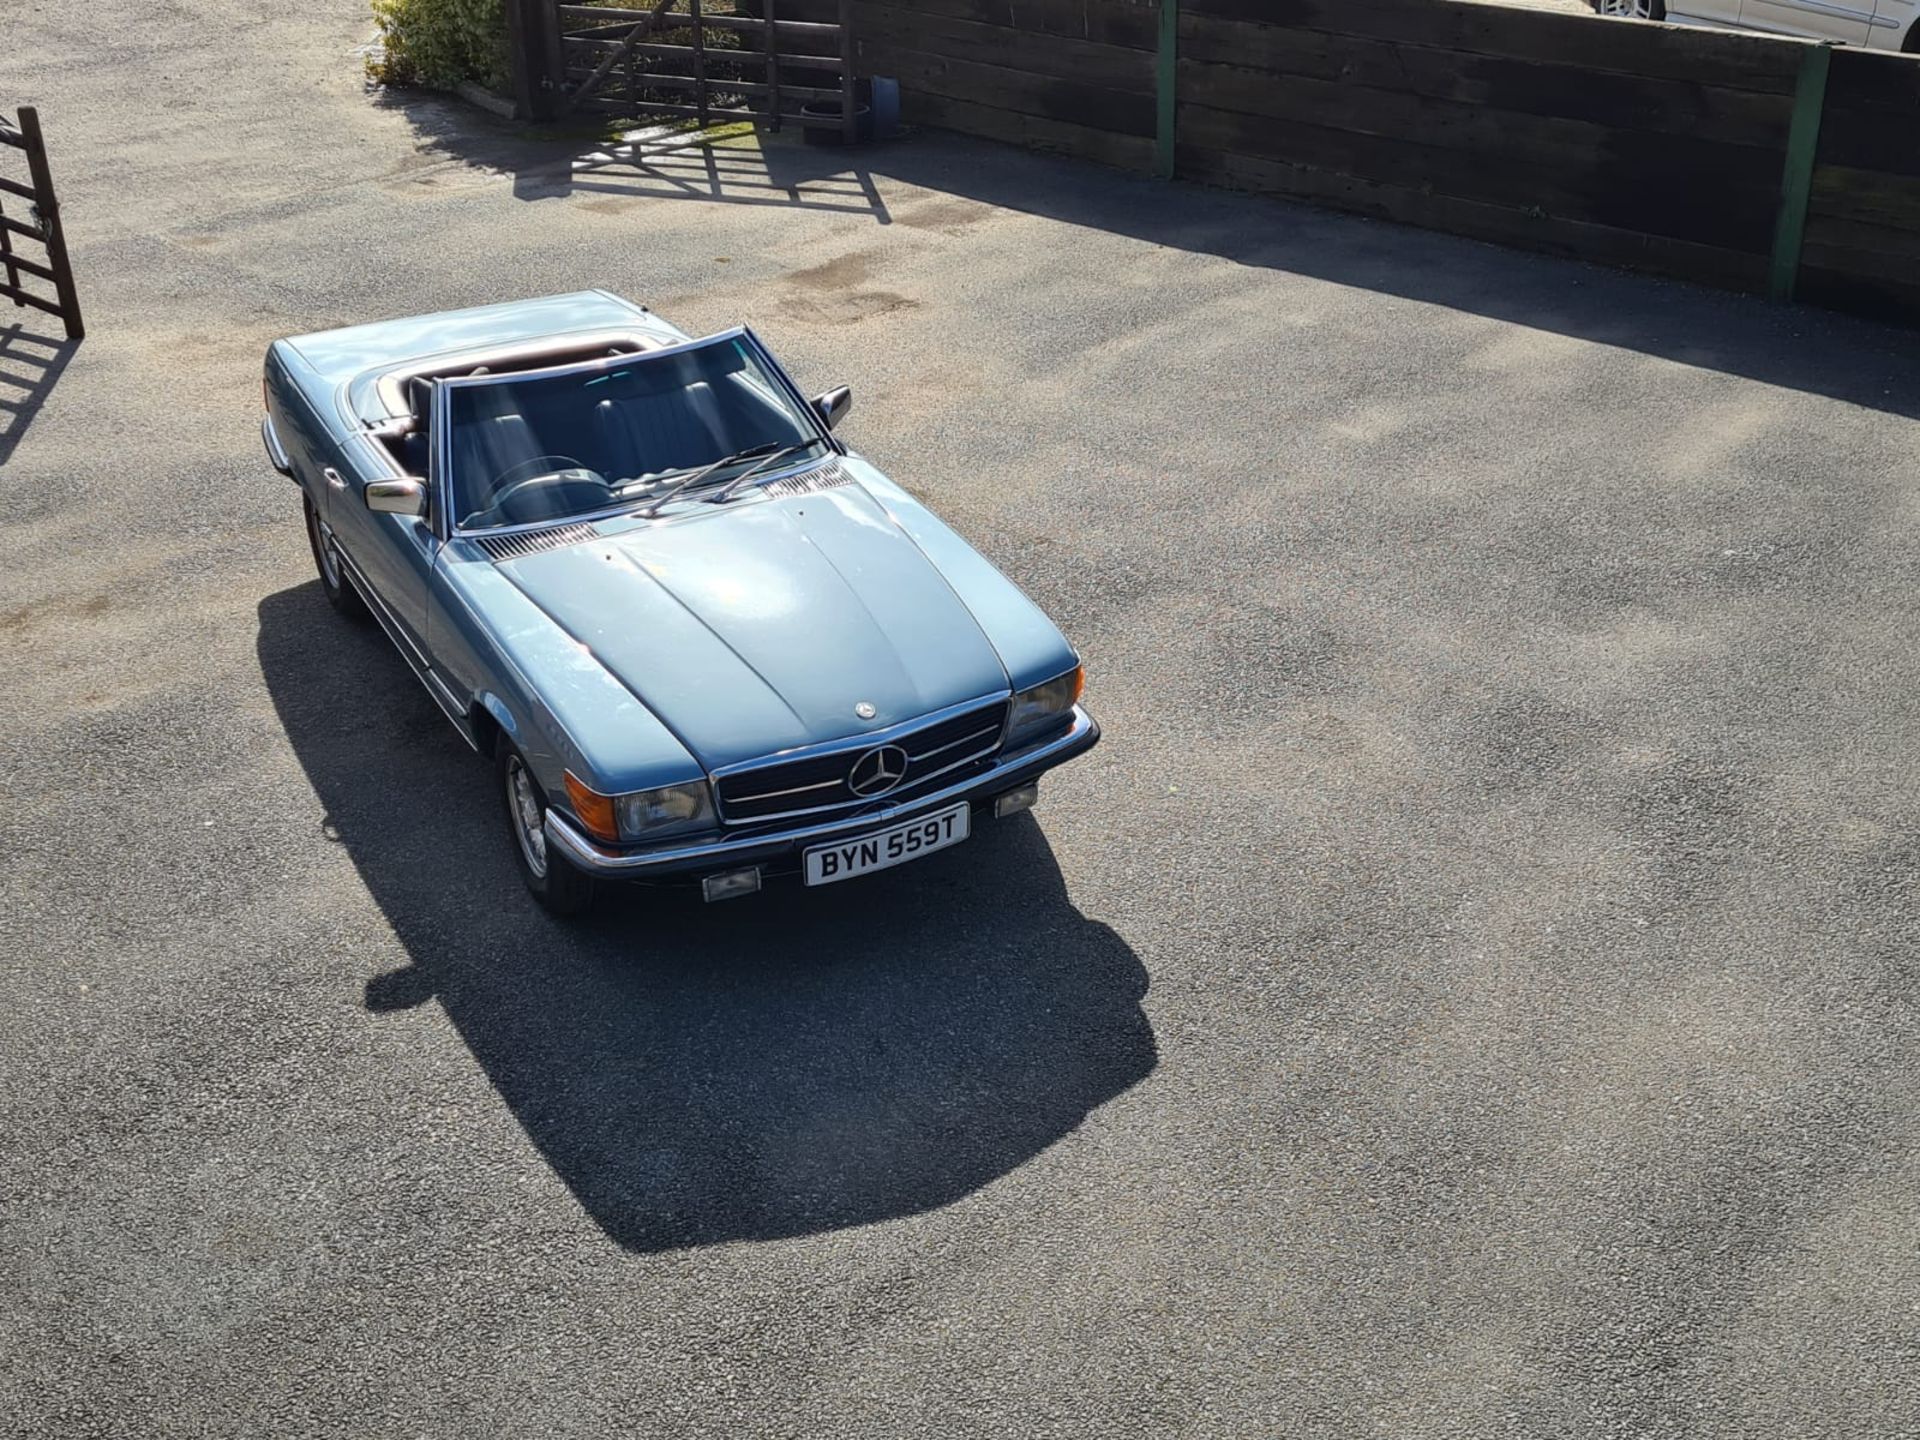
594	810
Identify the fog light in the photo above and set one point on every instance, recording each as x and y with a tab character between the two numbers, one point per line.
733	883
1014	801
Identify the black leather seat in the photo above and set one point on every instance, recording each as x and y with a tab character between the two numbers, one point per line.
672	430
489	444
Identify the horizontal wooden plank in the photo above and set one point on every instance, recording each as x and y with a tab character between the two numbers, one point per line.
606	105
10	136
1563	90
1708	57
576	45
1872	196
1477	127
614	84
1134	24
884	27
1876	252
574	16
1875	82
1627	196
1866	140
1503	224
14	187
1036	132
1621	178
997	87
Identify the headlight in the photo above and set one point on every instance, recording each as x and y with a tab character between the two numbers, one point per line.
649	814
643	815
1044	705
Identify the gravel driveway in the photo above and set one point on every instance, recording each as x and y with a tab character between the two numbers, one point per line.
1470	992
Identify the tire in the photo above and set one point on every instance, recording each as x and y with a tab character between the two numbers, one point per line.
333	578
1632	9
549	877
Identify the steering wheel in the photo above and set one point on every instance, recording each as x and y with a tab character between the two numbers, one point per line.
548	470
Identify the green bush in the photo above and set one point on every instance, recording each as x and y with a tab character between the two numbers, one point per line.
440	42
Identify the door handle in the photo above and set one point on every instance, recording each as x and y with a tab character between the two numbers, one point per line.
333	478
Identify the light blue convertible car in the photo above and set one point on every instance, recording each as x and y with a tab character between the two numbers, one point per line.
700	637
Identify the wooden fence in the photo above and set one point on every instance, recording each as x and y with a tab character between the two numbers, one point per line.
1735	159
765	61
41	225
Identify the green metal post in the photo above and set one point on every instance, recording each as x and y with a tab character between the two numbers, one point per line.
1796	178
1165	83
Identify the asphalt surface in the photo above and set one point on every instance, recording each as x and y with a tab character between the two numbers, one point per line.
1471	992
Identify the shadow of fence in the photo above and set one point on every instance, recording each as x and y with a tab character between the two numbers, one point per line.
30	364
745	170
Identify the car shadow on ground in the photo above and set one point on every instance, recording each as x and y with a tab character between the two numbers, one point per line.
795	1062
30	364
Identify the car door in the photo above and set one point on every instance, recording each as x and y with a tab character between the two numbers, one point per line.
1893	22
1849	22
391	556
1704	12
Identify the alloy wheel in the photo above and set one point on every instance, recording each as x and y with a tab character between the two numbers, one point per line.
523	805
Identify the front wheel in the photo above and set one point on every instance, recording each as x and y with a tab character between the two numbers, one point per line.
333	577
552	880
1633	9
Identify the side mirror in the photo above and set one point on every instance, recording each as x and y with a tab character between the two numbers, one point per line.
834	405
397	497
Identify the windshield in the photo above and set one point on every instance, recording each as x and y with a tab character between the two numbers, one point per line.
547	447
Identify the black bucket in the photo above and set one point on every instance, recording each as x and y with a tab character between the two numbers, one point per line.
822	119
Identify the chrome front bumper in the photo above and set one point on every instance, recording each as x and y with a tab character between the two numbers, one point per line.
276	452
722	853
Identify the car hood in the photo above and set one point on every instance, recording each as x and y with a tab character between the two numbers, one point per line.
760	625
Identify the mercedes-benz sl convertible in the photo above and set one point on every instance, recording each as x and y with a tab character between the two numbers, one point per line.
699	636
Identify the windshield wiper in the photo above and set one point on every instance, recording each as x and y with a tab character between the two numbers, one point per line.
696	476
745	475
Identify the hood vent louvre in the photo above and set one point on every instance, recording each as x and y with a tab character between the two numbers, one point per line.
821	477
530	542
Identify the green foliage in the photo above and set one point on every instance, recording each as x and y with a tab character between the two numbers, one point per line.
440	42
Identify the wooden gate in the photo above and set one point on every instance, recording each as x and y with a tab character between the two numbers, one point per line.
41	225
714	61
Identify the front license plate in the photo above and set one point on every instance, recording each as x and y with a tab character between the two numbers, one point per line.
845	859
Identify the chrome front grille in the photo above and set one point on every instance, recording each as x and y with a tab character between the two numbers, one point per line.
822	781
528	542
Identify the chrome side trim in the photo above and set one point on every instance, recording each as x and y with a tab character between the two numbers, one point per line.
415	658
597	859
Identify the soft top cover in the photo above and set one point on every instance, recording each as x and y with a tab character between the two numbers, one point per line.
358	355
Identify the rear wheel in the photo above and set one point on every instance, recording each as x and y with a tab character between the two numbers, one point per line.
333	576
554	882
1633	9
